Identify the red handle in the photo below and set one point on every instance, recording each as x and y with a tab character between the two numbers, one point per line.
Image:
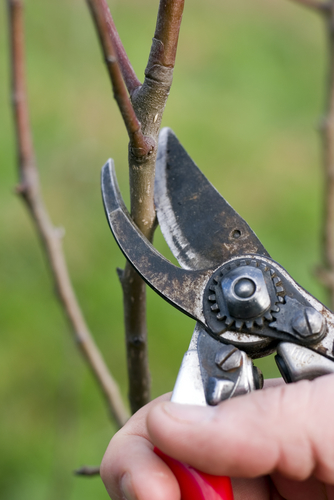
197	485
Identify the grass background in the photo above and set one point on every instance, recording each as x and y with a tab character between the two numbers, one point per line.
246	103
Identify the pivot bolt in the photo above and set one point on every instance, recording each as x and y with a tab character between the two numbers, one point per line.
245	292
308	322
244	288
228	358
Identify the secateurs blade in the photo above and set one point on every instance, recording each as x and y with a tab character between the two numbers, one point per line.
245	304
243	298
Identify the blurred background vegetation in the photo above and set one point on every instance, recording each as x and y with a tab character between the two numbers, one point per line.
246	103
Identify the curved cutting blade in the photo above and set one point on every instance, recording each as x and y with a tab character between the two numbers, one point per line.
183	289
200	227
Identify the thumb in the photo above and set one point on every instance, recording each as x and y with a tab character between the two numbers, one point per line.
286	429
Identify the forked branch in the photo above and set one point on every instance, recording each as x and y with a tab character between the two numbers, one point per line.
119	67
326	272
148	101
110	41
29	190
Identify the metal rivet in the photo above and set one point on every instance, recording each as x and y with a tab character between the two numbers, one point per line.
244	288
228	358
234	361
224	353
308	322
236	234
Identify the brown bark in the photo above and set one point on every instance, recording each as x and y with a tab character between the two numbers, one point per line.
328	151
320	6
326	272
30	192
88	471
118	66
148	101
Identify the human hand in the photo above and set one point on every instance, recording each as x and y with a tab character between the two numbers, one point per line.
276	444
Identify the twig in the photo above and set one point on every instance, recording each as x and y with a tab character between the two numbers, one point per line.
107	33
148	102
118	66
29	190
325	277
88	471
168	29
320	6
326	272
328	145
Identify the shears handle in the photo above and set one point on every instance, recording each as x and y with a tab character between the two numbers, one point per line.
197	485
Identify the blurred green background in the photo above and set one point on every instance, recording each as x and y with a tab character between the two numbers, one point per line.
246	103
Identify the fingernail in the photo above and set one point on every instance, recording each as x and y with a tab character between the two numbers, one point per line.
127	487
190	414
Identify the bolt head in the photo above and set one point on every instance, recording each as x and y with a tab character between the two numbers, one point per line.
308	322
223	353
229	359
233	362
244	288
245	292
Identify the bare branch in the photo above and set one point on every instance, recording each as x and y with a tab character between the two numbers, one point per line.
320	6
49	235
325	277
21	116
148	103
115	59
88	471
108	35
328	159
168	28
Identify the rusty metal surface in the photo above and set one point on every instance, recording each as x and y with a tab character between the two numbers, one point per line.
324	347
227	282
191	290
200	227
182	288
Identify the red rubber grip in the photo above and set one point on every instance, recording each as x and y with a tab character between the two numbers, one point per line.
197	485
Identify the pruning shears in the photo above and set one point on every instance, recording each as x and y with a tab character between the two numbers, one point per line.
245	304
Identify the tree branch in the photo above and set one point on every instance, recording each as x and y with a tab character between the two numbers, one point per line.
320	6
148	103
328	152
29	190
325	276
109	38
118	65
326	272
88	471
168	29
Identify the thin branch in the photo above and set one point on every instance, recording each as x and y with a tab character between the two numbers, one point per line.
49	235
322	7
88	471
148	103
325	277
168	29
325	273
116	59
107	32
328	152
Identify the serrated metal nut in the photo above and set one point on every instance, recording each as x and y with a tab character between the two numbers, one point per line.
245	292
